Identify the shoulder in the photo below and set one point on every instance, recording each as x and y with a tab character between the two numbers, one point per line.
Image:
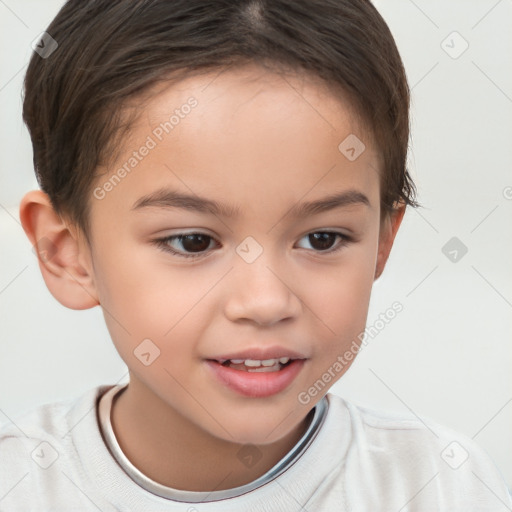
404	451
30	444
48	420
391	432
376	424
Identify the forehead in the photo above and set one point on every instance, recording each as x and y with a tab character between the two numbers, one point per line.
241	135
251	89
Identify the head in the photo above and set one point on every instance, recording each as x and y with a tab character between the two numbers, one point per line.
261	107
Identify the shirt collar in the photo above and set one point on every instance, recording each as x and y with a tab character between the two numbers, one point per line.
104	417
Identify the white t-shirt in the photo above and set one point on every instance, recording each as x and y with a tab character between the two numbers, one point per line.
54	458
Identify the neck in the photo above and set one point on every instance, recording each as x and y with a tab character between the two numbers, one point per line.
169	449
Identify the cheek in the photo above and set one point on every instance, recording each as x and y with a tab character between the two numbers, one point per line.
345	287
143	298
343	305
340	299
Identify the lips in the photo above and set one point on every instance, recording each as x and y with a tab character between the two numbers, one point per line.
258	372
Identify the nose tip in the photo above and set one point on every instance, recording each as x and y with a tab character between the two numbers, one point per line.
260	293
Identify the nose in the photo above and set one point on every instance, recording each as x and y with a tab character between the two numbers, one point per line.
261	293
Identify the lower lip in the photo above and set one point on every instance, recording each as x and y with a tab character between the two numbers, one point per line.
256	384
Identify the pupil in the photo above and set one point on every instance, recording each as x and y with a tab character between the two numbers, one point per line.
324	238
189	244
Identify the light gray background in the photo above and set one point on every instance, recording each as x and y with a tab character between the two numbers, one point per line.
447	355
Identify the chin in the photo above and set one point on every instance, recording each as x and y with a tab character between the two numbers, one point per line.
257	431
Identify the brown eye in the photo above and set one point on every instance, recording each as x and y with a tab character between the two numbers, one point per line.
194	242
190	245
323	241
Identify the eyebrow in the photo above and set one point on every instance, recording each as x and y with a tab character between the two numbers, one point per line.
167	198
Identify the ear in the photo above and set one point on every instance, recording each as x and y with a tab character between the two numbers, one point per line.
389	225
65	263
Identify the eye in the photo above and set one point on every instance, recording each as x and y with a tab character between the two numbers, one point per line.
196	243
323	240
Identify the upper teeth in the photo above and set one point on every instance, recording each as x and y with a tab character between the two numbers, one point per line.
259	362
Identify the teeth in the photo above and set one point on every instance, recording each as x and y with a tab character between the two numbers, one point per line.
275	368
252	362
255	363
258	363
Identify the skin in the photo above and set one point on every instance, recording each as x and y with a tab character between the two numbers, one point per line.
262	142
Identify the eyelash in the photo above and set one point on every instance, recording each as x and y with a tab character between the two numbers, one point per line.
163	243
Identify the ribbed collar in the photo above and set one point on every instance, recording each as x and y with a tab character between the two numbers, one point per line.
106	482
105	410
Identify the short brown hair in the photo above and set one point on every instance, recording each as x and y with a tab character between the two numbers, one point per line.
111	51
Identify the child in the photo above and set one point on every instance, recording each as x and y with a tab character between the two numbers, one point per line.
267	129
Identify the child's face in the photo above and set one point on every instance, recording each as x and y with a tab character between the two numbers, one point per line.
260	286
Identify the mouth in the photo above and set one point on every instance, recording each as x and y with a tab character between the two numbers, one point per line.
256	377
256	365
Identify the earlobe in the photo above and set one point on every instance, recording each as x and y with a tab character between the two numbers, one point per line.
388	230
63	261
